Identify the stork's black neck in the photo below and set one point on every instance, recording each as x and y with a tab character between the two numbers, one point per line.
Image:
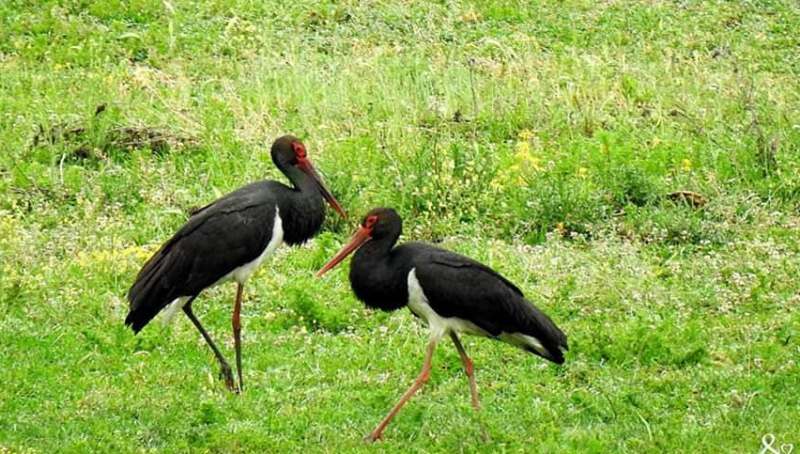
300	180
379	274
302	208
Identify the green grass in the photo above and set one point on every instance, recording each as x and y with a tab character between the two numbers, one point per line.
539	137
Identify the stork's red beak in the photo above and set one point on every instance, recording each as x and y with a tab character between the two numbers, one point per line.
361	236
305	165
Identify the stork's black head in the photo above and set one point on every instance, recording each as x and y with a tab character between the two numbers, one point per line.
382	222
379	224
289	152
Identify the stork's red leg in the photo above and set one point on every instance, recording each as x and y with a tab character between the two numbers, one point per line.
226	368
421	379
469	369
237	333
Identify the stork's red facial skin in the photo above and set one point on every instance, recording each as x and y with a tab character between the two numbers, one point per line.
304	164
299	150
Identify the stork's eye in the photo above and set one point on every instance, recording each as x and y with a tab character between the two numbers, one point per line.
299	149
371	221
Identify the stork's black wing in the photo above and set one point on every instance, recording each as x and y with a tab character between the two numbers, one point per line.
217	239
457	286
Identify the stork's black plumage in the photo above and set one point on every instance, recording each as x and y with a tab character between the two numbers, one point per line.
219	238
450	292
229	238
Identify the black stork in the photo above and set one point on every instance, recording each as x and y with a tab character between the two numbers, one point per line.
228	239
451	293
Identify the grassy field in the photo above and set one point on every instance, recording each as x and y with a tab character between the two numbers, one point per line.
543	138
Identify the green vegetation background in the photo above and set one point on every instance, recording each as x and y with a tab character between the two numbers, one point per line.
542	138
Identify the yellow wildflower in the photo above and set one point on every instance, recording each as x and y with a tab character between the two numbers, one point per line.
103	256
526	135
523	151
583	172
535	164
525	159
470	16
686	165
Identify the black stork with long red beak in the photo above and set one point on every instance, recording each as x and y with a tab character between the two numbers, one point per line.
451	293
229	239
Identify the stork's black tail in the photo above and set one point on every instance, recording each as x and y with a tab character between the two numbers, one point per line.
551	342
153	289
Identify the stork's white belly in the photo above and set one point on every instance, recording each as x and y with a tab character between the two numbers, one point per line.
439	326
241	273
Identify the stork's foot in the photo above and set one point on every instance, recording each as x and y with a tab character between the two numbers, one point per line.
226	374
373	437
